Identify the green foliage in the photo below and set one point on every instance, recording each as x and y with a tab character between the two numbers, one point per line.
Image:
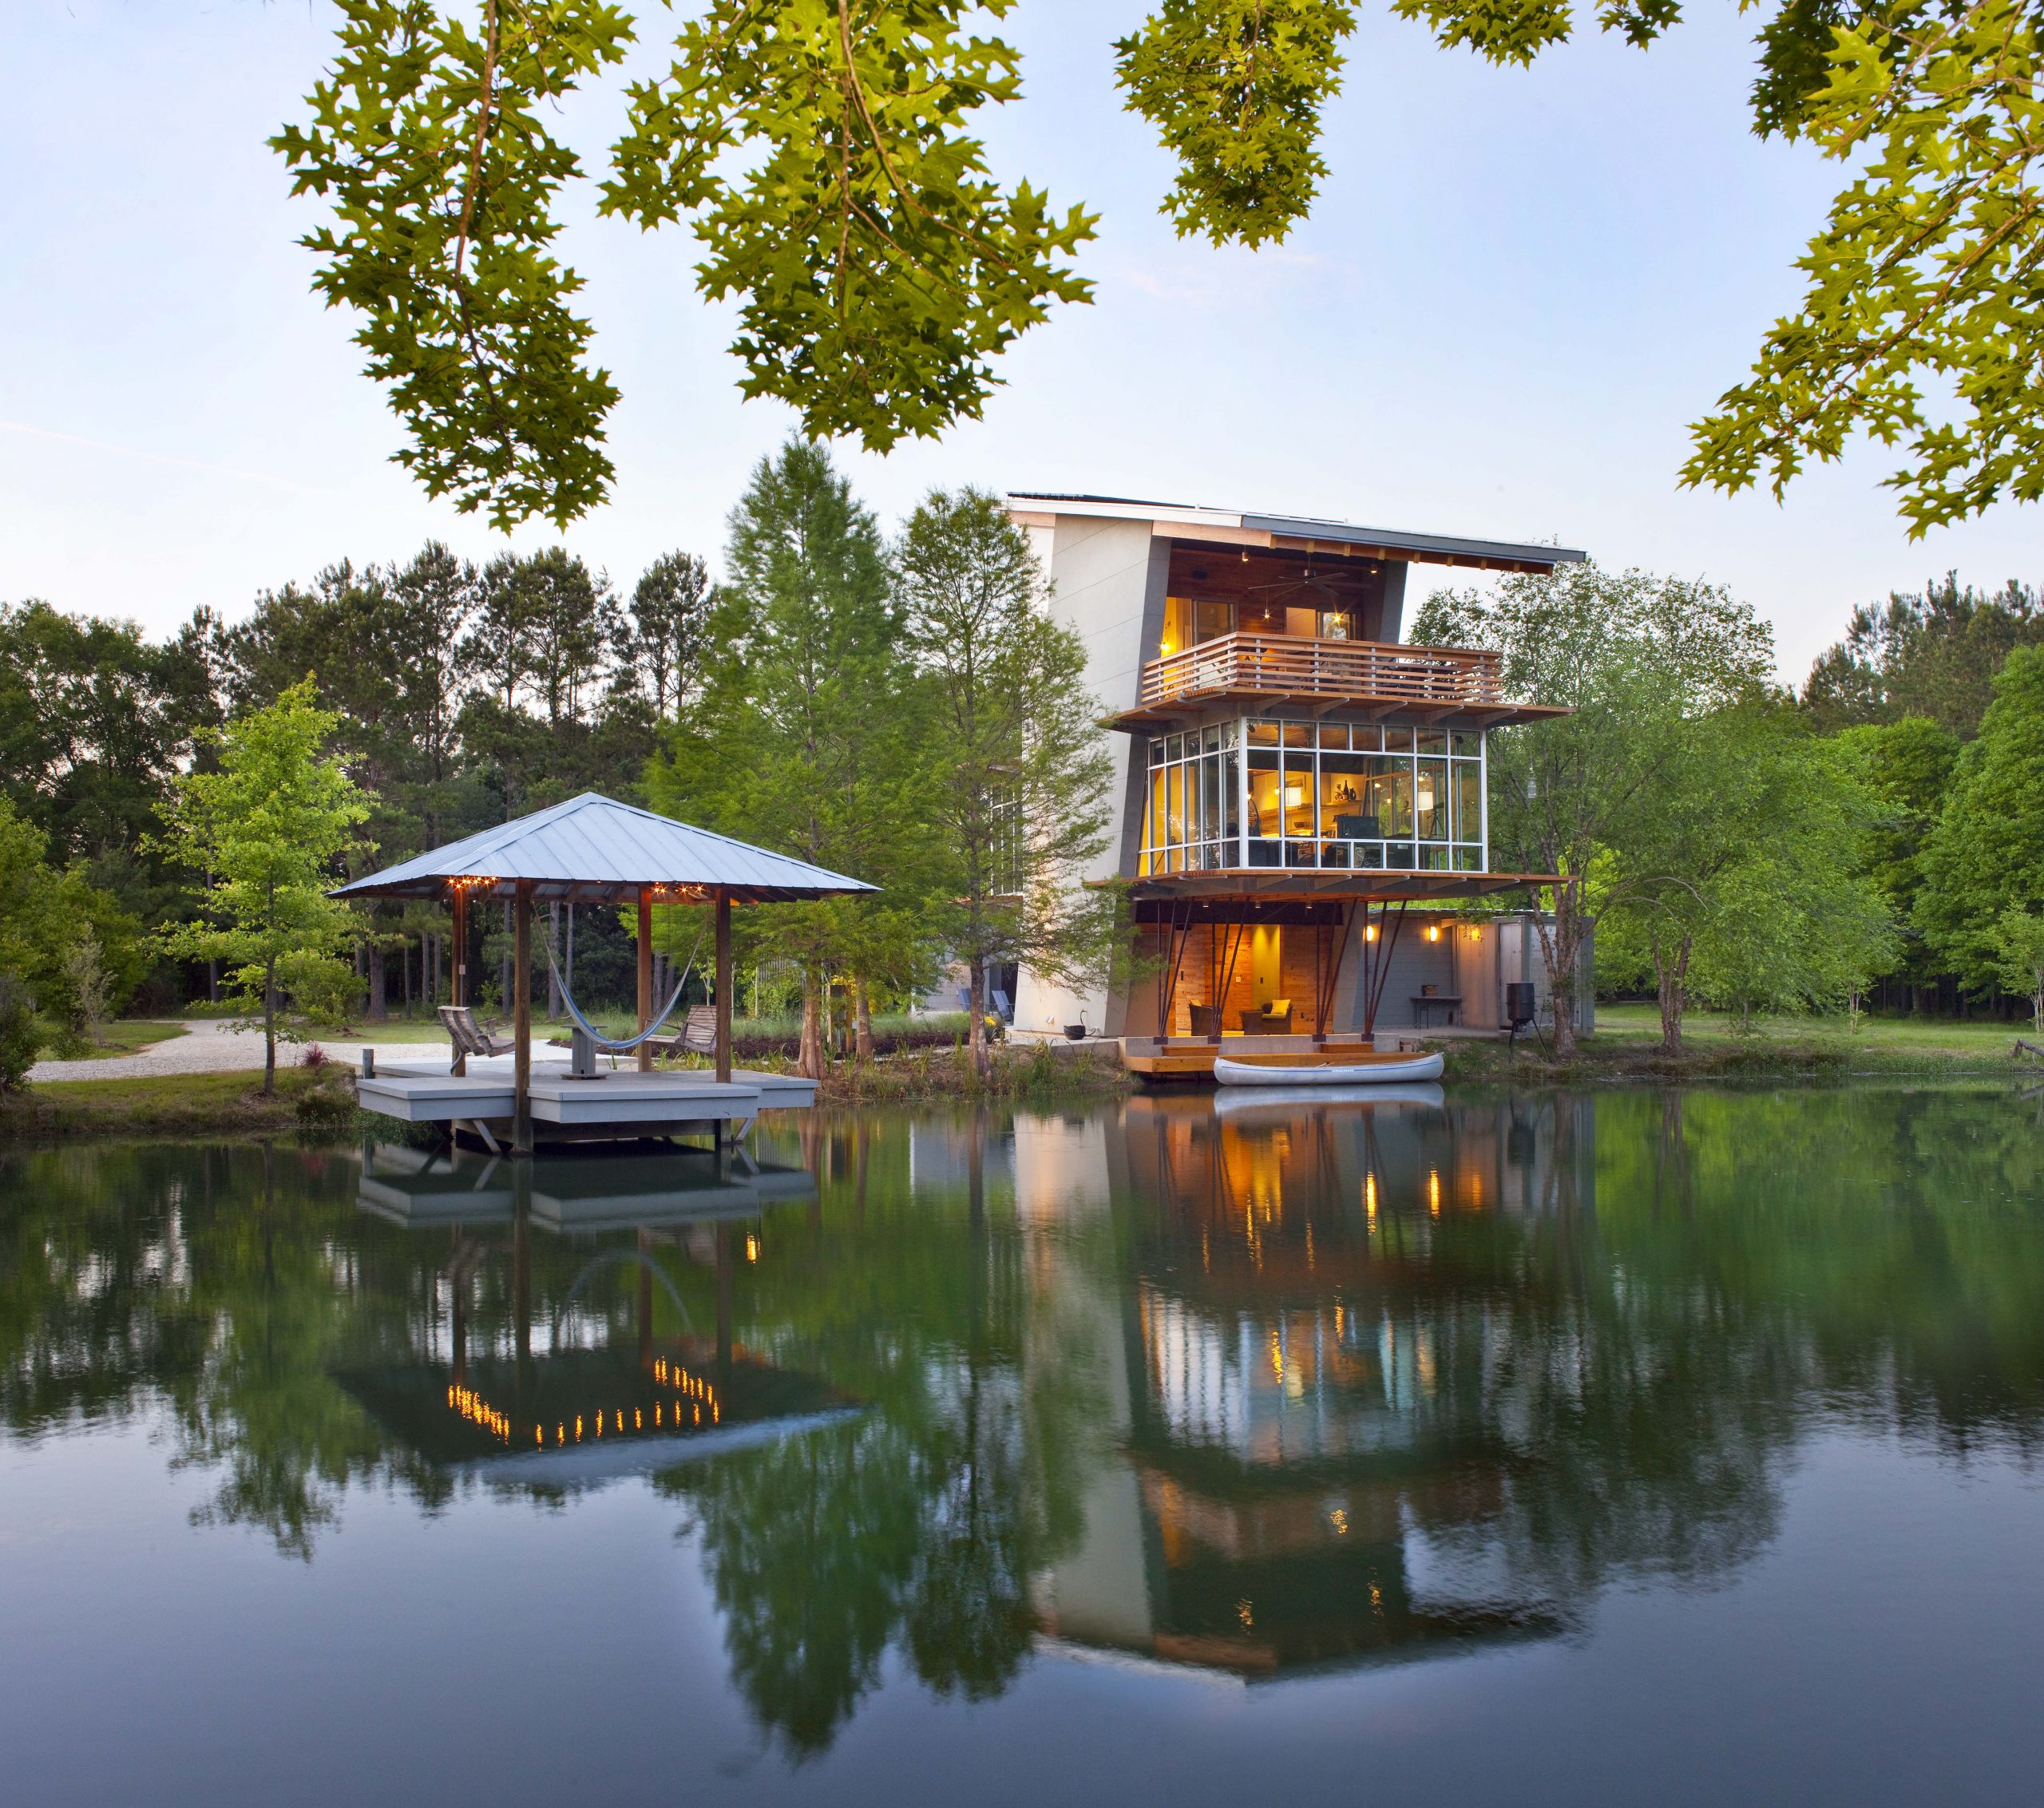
2018	949
878	267
427	141
1635	658
1794	923
20	1037
1235	89
1927	269
1985	855
76	954
1745	885
803	737
1015	771
1931	653
822	153
268	829
670	612
1904	768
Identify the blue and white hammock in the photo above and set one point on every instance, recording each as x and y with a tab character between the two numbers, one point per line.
610	1044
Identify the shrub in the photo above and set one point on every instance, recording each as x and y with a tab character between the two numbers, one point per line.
20	1035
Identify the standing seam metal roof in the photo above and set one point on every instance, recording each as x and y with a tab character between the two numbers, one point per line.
593	846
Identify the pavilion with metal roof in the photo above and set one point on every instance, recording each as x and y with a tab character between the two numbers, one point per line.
593	849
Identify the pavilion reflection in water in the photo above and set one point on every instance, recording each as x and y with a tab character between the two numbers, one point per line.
1301	1373
573	1413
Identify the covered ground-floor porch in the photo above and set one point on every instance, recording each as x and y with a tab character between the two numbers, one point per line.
1316	976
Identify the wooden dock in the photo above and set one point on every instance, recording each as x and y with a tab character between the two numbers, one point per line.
620	1104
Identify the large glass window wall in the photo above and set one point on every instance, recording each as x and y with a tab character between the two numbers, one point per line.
1267	792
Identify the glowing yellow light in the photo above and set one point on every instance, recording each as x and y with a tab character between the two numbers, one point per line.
1245	1613
1433	1191
1369	933
1339	1521
539	1436
1370	1196
638	1420
752	1248
698	1415
578	1425
560	1434
1433	931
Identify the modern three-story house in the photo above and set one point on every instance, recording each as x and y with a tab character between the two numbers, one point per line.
1299	795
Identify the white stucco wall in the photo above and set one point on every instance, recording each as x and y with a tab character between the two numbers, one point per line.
1099	578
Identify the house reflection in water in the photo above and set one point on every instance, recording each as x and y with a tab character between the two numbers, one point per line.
575	1412
1299	1378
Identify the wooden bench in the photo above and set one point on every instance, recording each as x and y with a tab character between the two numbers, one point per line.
469	1037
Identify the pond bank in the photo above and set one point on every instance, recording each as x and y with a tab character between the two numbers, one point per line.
320	1101
317	1101
1630	1060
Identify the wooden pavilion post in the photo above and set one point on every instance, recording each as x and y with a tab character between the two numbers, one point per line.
459	981
521	1018
645	977
724	983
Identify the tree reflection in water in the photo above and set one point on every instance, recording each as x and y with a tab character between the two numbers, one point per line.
1259	1389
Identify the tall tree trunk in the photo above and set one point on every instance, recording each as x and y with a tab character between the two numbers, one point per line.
270	1026
1561	948
1669	974
976	1007
810	1064
379	1010
862	1021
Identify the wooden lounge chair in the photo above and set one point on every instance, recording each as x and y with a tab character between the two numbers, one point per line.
699	1034
467	1036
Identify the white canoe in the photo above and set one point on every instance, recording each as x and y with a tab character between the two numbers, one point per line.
1249	1106
1389	1070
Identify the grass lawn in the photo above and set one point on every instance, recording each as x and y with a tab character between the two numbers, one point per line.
181	1104
1898	1035
127	1038
1626	1046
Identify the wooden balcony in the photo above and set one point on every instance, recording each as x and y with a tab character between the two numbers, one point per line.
1260	671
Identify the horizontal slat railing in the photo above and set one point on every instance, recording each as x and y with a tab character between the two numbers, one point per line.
1289	665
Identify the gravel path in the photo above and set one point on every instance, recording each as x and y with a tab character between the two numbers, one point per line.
210	1045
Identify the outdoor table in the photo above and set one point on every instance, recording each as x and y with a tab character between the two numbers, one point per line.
1452	1003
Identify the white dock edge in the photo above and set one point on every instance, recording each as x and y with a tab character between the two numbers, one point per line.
634	1103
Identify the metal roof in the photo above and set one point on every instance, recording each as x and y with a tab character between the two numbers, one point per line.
594	848
1452	549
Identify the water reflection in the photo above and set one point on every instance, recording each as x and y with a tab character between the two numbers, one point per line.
1262	1391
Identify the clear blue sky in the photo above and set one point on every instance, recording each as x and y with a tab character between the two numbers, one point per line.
1516	290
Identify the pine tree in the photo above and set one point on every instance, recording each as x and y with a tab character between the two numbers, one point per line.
803	738
1017	775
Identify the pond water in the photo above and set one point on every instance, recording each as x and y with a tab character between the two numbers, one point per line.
1629	1448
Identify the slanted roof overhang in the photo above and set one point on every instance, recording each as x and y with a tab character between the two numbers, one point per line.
592	849
1297	533
1259	885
